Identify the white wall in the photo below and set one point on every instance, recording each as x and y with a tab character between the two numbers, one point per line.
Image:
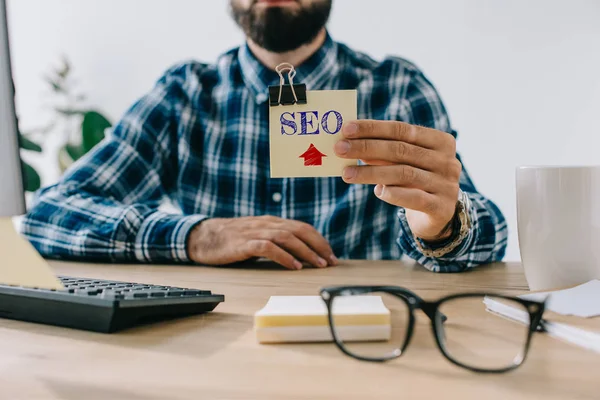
521	79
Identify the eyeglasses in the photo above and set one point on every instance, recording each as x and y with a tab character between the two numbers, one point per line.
466	333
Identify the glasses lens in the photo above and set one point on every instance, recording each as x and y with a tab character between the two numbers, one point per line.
479	338
372	325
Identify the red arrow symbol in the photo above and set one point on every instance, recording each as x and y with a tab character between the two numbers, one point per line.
312	156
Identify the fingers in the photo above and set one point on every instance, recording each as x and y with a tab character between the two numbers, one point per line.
433	212
309	235
296	247
381	152
410	198
268	249
286	242
299	239
395	175
400	131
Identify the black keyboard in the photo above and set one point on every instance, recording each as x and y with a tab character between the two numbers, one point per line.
103	306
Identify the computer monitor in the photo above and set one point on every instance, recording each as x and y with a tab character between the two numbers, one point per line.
12	197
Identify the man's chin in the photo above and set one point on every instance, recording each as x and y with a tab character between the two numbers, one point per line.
281	26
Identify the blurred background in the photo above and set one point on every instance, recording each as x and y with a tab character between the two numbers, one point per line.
520	79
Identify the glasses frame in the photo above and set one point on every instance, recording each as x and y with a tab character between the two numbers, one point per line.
414	303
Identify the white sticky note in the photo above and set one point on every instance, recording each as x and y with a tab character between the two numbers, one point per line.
302	136
580	301
579	337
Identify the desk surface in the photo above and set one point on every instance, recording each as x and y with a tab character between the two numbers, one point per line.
216	356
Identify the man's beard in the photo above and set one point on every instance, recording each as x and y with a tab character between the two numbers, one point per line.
278	29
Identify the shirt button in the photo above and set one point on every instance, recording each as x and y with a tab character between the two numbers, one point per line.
277	197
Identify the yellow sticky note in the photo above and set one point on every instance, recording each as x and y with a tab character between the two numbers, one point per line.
302	136
306	319
21	264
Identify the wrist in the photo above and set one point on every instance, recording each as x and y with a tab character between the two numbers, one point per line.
446	232
459	228
196	240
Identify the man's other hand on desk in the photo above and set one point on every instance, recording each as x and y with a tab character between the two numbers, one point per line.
221	241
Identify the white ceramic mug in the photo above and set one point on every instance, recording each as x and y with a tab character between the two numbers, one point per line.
558	214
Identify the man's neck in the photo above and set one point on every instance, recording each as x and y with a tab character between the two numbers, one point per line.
294	57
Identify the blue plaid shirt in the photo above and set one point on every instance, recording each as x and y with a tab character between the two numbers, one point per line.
200	139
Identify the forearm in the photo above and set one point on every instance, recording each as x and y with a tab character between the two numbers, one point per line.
70	224
106	207
485	242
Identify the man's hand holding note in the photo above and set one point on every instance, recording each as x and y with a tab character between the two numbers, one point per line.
412	167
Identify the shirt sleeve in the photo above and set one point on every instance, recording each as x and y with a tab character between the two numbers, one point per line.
107	206
487	240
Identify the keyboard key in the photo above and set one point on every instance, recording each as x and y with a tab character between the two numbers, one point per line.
157	294
140	295
175	293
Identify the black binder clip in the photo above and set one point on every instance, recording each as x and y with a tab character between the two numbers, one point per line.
287	94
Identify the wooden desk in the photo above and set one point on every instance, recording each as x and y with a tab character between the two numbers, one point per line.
215	356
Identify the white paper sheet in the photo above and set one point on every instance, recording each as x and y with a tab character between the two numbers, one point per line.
580	301
570	334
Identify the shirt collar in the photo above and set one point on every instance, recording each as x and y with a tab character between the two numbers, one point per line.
315	72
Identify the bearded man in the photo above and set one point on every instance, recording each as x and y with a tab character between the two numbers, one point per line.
200	138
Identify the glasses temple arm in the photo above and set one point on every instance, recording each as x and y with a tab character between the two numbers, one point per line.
541	326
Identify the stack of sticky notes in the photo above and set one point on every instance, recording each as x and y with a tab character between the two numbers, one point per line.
305	319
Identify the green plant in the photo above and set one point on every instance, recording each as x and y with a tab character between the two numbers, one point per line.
31	176
84	127
92	128
81	127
